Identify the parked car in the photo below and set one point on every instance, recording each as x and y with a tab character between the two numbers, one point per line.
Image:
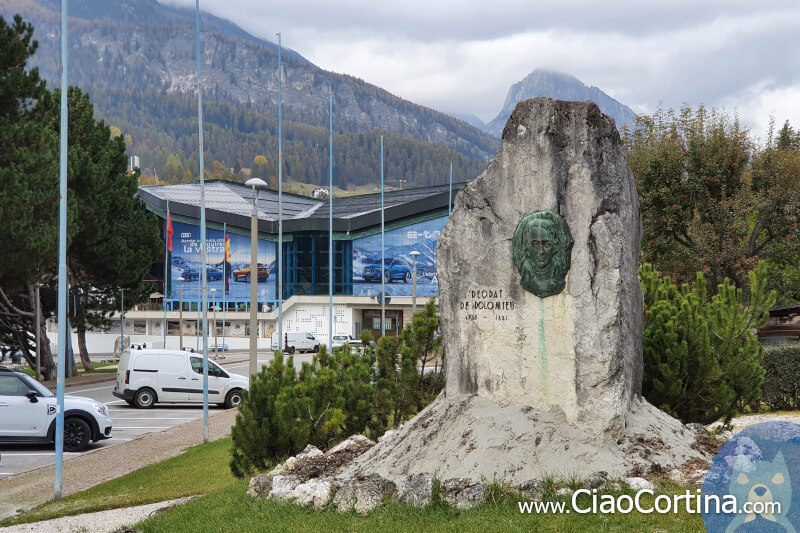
243	274
396	269
341	340
212	274
146	377
28	414
358	346
296	342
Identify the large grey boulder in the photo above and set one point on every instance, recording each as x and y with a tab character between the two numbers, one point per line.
579	350
363	493
415	489
464	493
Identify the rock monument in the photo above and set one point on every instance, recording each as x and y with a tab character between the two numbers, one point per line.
542	319
539	296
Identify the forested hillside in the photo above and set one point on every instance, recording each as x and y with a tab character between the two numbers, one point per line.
136	58
163	133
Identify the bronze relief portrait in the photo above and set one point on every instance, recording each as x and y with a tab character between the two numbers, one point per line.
542	250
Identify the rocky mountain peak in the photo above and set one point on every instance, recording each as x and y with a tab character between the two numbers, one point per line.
542	82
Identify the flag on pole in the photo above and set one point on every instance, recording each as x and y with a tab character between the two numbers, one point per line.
169	231
226	265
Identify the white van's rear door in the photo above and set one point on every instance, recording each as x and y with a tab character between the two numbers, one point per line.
122	371
173	374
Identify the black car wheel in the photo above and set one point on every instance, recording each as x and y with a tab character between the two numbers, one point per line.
247	277
144	398
76	434
407	279
387	276
233	399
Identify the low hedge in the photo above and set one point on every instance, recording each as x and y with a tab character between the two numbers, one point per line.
781	388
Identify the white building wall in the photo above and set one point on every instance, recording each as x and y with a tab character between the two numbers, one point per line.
313	318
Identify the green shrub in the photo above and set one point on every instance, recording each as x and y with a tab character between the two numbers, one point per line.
781	389
702	358
333	397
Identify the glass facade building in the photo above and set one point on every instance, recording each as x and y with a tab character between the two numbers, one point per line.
414	219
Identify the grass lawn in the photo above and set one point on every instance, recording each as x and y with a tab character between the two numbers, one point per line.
230	509
225	506
200	470
99	368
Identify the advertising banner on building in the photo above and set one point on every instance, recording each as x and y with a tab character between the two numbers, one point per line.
230	279
398	262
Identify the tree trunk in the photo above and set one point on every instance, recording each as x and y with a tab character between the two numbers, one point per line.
85	361
48	363
70	357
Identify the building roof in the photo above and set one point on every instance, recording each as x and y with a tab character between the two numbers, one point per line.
232	203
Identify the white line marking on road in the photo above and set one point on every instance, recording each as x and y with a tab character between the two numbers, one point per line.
87	390
47	453
161	418
6	473
141	427
115	401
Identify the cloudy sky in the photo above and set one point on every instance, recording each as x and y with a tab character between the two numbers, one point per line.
463	55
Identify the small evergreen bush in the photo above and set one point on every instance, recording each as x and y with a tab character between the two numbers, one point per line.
334	396
702	358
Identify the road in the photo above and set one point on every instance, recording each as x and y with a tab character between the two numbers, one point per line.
128	422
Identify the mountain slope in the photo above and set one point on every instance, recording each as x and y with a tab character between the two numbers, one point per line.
148	48
561	86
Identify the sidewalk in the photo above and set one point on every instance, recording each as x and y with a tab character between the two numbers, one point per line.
34	487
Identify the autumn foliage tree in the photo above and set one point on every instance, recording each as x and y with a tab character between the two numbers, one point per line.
711	200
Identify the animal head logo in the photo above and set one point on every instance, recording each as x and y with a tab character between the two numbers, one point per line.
542	250
766	483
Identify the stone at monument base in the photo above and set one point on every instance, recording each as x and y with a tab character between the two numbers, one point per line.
468	436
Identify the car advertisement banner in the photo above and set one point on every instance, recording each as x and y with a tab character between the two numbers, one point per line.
230	281
397	272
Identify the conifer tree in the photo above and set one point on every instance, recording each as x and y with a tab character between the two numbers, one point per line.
702	359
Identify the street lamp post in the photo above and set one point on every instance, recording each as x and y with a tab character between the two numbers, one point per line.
255	183
414	254
180	321
214	303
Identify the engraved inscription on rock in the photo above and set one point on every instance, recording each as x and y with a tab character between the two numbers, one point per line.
488	303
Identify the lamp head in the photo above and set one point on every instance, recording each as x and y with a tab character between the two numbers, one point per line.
181	279
256	183
414	254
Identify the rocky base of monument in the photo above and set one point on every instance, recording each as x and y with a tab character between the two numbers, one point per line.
468	436
469	442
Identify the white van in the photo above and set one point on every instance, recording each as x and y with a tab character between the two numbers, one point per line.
146	377
296	342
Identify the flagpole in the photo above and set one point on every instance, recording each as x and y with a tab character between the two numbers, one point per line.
450	204
383	259
330	226
166	263
62	263
225	261
203	251
280	202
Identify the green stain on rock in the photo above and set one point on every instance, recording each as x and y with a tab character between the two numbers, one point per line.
542	344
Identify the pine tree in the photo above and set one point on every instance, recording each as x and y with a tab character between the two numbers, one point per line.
701	356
